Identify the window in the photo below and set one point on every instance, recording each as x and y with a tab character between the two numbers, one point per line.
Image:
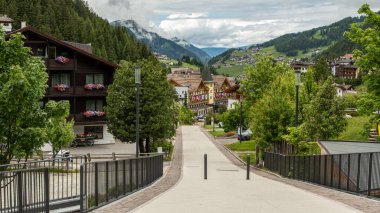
94	105
52	52
94	79
40	52
96	130
60	78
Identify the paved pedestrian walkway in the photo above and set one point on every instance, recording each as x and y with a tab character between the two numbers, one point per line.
227	189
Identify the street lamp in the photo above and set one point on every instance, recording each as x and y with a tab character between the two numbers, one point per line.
297	74
137	84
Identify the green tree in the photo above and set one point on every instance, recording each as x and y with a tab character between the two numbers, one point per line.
324	116
59	131
274	112
185	116
367	35
322	70
158	113
231	118
22	85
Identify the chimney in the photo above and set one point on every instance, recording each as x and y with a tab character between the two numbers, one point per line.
23	24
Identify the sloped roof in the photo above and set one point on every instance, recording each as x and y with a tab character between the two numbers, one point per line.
5	19
192	83
85	47
64	44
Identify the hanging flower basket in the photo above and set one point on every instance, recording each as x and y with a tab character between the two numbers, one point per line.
94	86
89	114
61	87
62	60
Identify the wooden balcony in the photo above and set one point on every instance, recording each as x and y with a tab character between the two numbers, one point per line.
81	119
81	91
52	92
52	65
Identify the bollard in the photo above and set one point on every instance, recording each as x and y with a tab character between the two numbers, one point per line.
113	156
205	166
248	165
89	157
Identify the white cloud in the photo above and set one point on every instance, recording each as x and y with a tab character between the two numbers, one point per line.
228	23
187	16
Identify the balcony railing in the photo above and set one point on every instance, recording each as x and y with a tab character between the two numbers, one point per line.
75	91
51	91
80	118
81	91
51	64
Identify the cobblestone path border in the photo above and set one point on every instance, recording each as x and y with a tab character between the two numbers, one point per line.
137	199
361	203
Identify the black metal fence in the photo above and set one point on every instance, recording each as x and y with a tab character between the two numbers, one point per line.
24	191
63	173
40	186
357	173
104	182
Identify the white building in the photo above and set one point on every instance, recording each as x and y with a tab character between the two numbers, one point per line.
232	103
182	93
6	23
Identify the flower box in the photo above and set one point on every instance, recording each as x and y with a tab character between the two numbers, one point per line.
61	87
89	114
94	86
62	60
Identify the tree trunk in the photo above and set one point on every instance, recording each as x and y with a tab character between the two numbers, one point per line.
257	160
141	145
147	145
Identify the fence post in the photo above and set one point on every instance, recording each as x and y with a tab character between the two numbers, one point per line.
325	173
348	172
107	184
96	184
358	177
370	174
205	166
332	171
81	188
124	178
137	172
19	191
47	190
248	165
130	175
340	169
117	177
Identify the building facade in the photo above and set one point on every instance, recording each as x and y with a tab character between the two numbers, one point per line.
75	75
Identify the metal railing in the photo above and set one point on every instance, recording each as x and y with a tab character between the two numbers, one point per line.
356	173
104	182
63	174
24	190
40	186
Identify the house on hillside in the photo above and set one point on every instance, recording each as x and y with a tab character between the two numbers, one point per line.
343	89
75	75
300	66
6	23
344	67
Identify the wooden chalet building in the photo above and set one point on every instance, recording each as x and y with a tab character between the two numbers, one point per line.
76	75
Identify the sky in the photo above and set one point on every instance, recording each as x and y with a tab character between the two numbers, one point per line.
228	23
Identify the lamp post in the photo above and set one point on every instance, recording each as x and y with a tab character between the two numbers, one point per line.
137	84
297	74
241	118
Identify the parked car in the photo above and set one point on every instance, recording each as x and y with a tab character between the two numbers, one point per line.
62	155
245	135
200	118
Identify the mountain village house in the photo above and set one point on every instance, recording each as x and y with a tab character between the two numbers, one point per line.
203	96
75	75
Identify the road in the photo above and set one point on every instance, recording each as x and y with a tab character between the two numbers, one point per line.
227	190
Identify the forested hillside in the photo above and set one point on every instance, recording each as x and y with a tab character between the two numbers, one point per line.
295	43
73	20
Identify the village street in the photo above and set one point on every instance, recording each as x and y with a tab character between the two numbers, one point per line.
227	190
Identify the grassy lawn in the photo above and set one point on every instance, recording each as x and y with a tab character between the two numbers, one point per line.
232	71
244	158
354	128
243	146
217	134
